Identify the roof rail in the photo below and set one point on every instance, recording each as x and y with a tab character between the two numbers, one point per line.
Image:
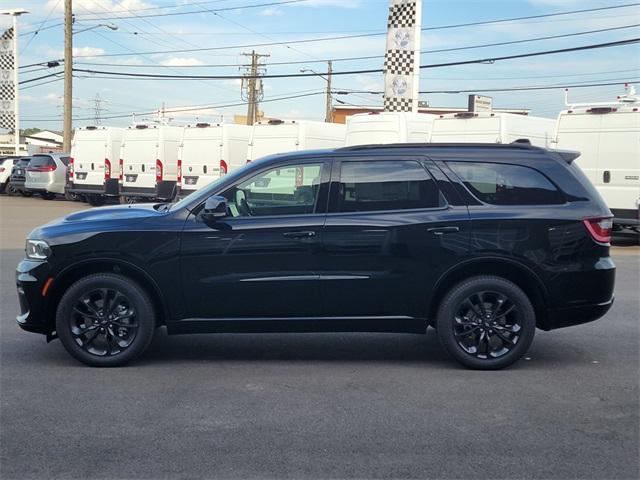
520	143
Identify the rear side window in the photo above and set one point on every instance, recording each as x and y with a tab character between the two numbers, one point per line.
501	184
386	185
41	161
65	161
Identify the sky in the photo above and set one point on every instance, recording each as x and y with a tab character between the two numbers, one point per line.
230	32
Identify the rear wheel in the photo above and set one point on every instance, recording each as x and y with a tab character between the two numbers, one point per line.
48	195
105	320
486	323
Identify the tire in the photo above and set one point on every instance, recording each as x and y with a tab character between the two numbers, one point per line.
48	195
127	200
24	193
89	337
95	200
498	341
9	190
71	197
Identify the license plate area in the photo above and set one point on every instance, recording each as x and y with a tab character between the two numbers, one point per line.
131	178
190	180
81	175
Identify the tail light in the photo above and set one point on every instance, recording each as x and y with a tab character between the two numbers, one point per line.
107	169
2	169
224	169
44	168
121	169
70	168
600	229
179	172
158	171
248	161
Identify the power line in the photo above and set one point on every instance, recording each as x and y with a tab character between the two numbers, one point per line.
225	9
300	62
375	70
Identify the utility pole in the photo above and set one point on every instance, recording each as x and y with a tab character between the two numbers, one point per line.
253	85
68	75
329	115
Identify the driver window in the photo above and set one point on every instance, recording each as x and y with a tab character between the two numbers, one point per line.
285	190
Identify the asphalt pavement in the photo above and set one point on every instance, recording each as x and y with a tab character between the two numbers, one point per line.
317	405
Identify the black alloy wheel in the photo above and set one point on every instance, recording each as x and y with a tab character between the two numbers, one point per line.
105	320
486	322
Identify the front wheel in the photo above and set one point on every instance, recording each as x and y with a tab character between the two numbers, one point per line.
105	320
486	323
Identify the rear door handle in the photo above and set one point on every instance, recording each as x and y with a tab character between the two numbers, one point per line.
307	234
443	230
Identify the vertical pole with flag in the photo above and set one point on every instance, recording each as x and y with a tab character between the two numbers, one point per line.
9	84
402	57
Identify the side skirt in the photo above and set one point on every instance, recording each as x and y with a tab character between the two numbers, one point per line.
297	325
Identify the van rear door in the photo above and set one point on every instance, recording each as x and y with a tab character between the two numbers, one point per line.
88	161
139	162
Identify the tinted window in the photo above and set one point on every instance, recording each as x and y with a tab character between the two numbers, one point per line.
386	185
288	190
41	161
501	184
65	160
23	162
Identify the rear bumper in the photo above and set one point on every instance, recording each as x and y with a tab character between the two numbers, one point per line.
165	190
577	315
110	188
626	217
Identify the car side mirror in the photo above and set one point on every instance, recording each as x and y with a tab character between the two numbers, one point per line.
215	208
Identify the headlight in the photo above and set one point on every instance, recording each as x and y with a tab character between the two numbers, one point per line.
37	249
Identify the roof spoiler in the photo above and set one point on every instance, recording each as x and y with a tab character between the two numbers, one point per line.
567	155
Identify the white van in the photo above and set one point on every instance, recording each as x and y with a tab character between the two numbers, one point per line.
388	127
278	136
95	152
149	162
608	138
486	127
207	152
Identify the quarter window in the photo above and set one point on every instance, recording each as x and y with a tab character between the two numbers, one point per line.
386	185
286	190
501	184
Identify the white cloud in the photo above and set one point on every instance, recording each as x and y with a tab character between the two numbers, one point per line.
83	7
87	52
271	12
181	62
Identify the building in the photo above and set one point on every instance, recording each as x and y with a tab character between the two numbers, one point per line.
45	141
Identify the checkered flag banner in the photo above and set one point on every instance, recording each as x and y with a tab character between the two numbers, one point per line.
7	88
402	57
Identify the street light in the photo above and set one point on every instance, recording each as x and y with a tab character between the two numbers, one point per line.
15	13
327	79
110	26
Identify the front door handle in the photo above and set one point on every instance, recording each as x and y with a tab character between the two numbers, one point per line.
307	234
443	230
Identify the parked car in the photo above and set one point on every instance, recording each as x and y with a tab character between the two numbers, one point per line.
388	127
47	174
207	152
95	153
608	137
149	163
485	242
18	176
6	166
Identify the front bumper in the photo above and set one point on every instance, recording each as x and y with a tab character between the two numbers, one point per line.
30	279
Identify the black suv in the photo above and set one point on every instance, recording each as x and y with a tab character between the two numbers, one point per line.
483	242
18	176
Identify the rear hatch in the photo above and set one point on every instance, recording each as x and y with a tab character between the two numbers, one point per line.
200	158
139	157
40	172
89	162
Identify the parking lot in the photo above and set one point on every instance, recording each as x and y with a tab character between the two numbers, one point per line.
318	405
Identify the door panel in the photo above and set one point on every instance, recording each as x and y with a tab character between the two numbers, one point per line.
384	263
252	264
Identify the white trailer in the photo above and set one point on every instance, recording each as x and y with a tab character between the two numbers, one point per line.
278	136
486	127
207	152
608	137
95	152
388	127
149	162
